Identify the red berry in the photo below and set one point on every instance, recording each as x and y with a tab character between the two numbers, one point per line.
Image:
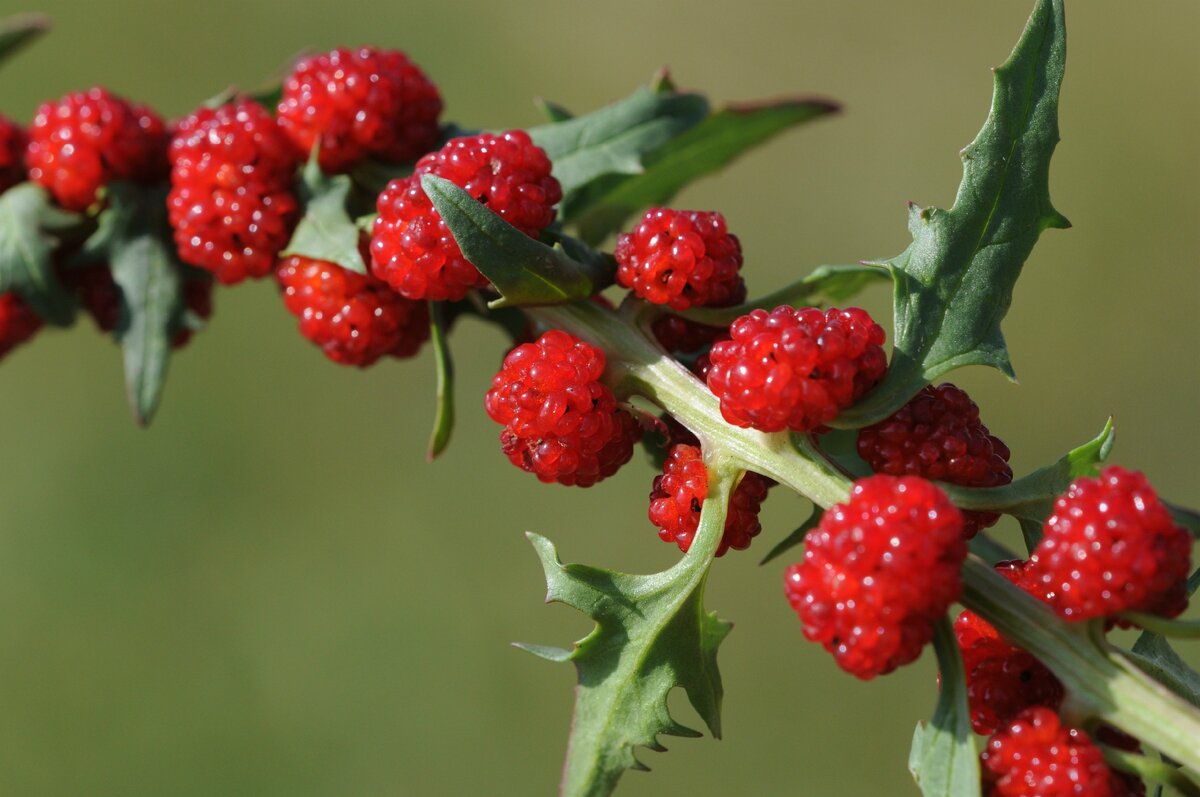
231	200
1037	756
677	334
354	318
12	153
679	492
101	297
1002	679
878	572
360	103
1110	546
90	138
560	422
18	323
412	248
938	435
681	258
794	369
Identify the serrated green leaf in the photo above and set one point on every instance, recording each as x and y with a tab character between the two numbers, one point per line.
133	236
1030	498
552	110
27	251
18	31
795	538
523	270
604	206
825	285
616	138
954	283
943	760
327	230
652	634
443	421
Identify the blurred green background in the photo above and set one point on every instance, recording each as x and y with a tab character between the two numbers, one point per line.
271	593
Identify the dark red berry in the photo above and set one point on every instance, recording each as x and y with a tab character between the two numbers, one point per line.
938	435
677	334
354	318
358	104
681	258
679	492
413	250
1002	679
795	368
231	202
13	142
1036	755
18	323
878	572
90	138
561	422
1110	546
101	297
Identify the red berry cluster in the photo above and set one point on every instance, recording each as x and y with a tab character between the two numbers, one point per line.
878	572
231	200
795	369
18	323
412	248
13	142
1111	546
561	422
938	435
354	318
90	138
1036	755
361	103
682	259
1002	679
678	495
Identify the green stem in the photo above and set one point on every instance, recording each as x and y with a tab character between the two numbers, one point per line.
1151	770
1179	629
1100	681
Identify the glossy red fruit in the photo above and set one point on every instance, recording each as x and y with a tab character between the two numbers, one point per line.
561	422
1002	679
1036	755
938	435
354	318
413	250
90	138
18	323
13	142
679	492
231	202
360	103
682	259
878	572
1111	546
795	368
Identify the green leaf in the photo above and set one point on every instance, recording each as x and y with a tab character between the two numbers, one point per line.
552	110
134	238
327	230
652	634
825	285
443	421
1153	770
525	271
19	30
954	283
943	760
27	251
1188	518
711	145
1030	498
616	138
1154	654
796	537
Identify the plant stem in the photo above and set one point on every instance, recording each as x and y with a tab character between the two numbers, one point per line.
1101	683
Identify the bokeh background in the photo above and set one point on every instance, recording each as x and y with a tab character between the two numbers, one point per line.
271	593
